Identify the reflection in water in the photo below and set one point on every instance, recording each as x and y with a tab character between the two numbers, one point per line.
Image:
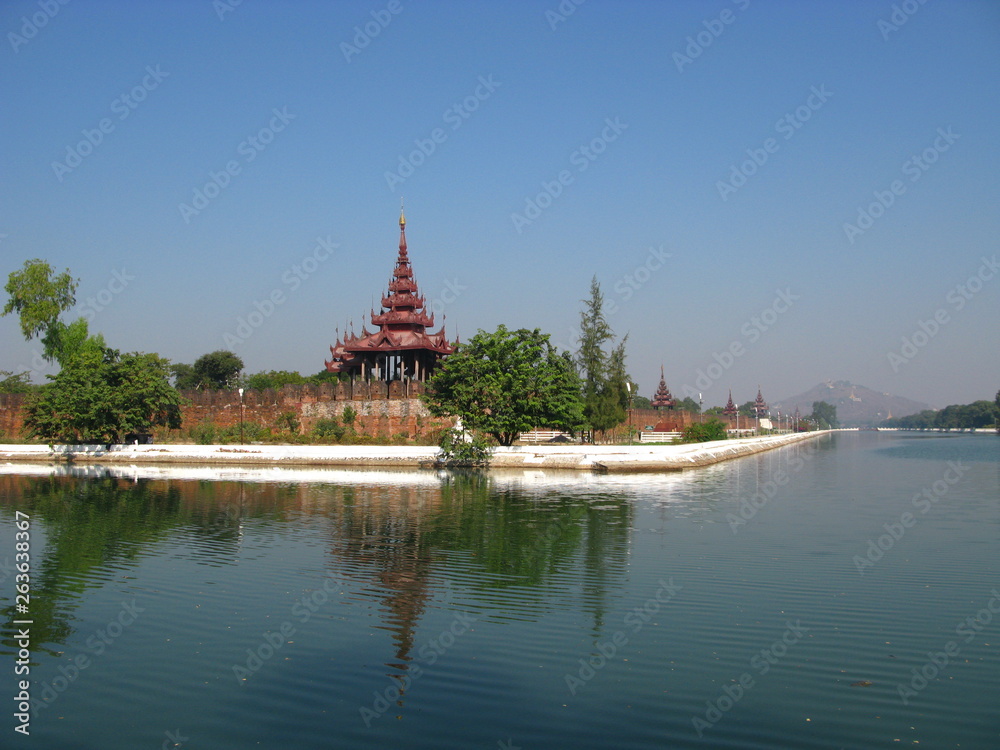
401	542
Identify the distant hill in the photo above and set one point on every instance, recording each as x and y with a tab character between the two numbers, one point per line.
856	405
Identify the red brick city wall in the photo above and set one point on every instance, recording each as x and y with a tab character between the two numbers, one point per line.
11	414
382	410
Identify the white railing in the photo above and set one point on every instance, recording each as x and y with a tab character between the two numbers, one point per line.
544	436
657	437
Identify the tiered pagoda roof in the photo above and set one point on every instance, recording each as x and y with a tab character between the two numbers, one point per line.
402	345
663	399
730	409
758	405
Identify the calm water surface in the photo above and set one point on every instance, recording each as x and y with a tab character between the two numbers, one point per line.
794	599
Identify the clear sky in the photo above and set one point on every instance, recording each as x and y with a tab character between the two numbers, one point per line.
193	162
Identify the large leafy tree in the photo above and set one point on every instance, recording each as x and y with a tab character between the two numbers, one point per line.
506	382
218	369
39	296
100	395
15	382
604	379
824	414
274	379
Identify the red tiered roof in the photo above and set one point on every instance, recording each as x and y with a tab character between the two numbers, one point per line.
402	326
663	399
730	406
759	406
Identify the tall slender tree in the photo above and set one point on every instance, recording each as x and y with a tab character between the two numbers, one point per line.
603	375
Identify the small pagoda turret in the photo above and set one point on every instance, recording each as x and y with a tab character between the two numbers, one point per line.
730	409
402	347
663	399
759	407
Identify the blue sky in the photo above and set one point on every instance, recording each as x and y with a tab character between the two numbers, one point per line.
700	158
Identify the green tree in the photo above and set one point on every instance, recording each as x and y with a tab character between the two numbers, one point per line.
216	369
39	296
63	342
100	396
603	375
274	379
641	402
689	404
184	376
11	382
506	382
824	414
325	376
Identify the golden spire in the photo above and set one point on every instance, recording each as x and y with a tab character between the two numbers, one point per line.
402	218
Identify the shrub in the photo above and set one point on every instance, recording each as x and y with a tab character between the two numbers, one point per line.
328	429
288	421
458	449
702	432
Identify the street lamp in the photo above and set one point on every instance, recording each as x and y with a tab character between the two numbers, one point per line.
241	415
629	386
701	413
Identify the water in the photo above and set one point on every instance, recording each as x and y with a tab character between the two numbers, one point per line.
385	609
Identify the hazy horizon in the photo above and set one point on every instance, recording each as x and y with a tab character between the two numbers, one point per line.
777	194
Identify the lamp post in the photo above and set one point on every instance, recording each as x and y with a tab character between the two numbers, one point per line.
241	416
629	386
701	413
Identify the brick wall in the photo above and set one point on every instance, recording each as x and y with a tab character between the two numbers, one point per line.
382	410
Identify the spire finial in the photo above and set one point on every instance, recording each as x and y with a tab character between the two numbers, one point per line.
402	232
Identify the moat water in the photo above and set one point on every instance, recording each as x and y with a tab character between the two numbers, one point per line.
838	593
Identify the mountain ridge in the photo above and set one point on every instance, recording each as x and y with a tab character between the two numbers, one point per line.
857	405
